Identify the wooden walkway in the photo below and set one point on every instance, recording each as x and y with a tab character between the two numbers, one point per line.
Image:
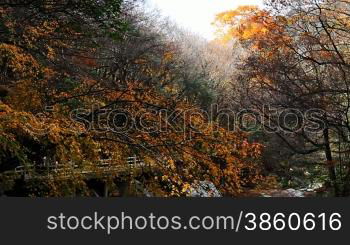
133	166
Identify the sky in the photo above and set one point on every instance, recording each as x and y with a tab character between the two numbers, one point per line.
197	15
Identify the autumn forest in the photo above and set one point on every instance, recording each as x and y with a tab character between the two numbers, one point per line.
111	99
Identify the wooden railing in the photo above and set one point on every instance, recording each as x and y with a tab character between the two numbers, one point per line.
104	167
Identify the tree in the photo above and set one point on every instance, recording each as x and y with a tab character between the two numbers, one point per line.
297	59
98	77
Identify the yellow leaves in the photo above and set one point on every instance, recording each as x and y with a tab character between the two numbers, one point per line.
50	26
165	178
149	161
187	159
54	134
32	34
239	23
239	12
4	108
171	164
15	59
51	53
22	70
168	56
251	25
48	73
185	188
25	89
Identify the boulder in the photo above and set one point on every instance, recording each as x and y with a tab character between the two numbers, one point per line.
204	189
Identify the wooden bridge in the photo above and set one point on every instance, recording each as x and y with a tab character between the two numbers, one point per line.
133	166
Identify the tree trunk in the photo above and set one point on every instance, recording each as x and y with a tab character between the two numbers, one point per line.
346	185
331	168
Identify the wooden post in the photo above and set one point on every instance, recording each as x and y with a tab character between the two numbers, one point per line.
105	190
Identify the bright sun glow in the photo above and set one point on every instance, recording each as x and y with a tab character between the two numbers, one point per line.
197	15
